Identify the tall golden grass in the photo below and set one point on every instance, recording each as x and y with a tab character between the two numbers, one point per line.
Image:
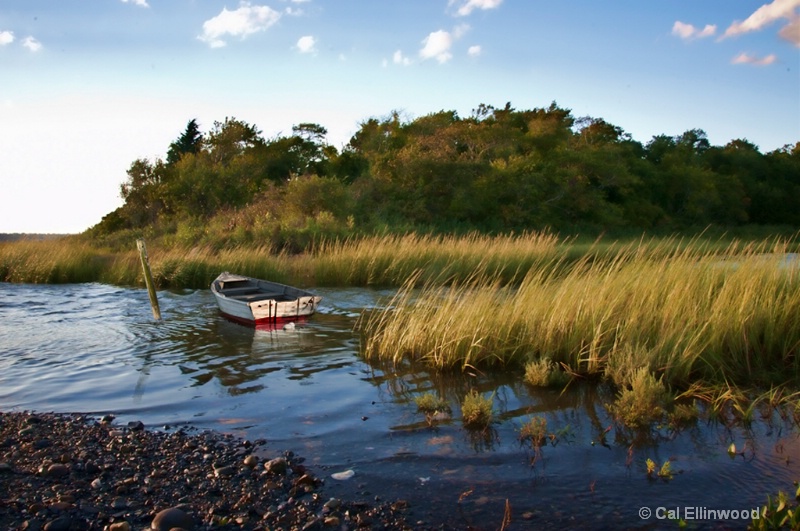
723	312
373	261
391	260
682	311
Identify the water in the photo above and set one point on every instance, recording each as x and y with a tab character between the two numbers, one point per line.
95	348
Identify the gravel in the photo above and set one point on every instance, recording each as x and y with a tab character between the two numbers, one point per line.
73	471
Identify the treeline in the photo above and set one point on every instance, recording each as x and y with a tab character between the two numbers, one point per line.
498	170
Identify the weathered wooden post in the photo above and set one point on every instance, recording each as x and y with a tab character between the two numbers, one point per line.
148	279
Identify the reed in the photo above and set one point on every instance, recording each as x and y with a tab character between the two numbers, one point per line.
683	311
371	261
51	261
390	260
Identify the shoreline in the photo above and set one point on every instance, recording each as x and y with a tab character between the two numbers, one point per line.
65	471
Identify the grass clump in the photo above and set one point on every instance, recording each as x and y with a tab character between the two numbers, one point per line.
545	373
665	472
432	406
534	431
476	411
642	402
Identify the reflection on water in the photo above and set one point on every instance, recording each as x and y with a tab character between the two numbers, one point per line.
95	348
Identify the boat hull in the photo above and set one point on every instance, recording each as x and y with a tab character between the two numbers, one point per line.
257	302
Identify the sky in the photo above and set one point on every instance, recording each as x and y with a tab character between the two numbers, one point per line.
89	86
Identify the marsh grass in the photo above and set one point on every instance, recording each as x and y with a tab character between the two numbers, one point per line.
388	260
432	407
534	431
721	314
476	411
665	472
641	403
545	373
391	260
684	311
60	260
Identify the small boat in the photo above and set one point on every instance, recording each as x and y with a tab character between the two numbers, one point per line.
260	302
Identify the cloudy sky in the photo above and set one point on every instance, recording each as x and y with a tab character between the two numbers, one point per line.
88	86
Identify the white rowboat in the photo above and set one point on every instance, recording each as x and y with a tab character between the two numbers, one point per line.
260	302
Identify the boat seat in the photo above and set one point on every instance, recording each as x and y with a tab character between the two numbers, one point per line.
260	296
235	292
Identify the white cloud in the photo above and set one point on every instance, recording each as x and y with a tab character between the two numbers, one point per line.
141	3
6	37
306	44
31	44
468	6
688	31
460	30
791	32
766	15
474	51
437	45
246	20
745	58
399	59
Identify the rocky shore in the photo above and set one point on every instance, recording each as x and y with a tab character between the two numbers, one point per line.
70	472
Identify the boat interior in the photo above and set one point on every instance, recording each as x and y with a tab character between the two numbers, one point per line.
249	291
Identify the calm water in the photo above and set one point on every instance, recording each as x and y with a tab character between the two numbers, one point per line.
95	348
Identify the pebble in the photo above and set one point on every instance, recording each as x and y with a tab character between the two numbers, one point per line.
343	476
57	470
59	524
170	519
92	476
277	465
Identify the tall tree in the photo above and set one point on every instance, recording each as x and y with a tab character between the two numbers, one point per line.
189	142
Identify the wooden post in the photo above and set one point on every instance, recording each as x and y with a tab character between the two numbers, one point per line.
148	279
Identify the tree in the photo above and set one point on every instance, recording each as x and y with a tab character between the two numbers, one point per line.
143	192
231	138
189	142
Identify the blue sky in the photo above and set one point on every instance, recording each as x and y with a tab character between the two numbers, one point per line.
88	86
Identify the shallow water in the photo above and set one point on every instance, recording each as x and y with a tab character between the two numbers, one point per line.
95	348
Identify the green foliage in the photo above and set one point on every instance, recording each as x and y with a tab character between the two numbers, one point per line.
665	472
778	513
189	142
501	169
